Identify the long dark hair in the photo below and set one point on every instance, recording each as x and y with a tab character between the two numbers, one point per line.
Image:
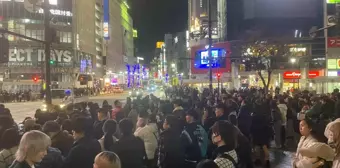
109	129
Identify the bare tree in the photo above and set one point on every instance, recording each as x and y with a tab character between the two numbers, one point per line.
264	54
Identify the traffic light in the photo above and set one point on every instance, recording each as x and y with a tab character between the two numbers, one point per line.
218	75
4	50
52	62
35	78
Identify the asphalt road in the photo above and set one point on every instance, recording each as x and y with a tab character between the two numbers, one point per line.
27	109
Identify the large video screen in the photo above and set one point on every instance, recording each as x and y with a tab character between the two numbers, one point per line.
282	8
218	58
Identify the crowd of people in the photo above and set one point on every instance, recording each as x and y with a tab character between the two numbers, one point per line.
227	129
18	96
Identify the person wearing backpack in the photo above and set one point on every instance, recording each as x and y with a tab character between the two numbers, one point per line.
224	135
197	150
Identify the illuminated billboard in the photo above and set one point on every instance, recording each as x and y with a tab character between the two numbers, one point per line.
333	1
106	17
218	58
159	44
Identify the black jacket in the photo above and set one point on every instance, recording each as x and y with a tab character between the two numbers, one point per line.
53	159
244	120
170	152
131	151
98	129
192	148
62	141
17	164
82	153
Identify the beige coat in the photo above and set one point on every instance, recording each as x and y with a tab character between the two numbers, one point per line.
305	142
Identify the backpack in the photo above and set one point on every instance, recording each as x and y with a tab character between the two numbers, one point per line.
202	139
231	159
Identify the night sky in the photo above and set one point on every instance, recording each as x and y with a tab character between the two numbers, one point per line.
154	18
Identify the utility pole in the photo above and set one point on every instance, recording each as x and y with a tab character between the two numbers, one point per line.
47	52
210	45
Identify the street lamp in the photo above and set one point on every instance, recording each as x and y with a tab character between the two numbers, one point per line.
293	60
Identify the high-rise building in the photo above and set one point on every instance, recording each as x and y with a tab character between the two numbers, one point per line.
88	42
26	57
119	48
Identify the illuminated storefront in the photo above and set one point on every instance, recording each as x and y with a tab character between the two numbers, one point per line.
292	79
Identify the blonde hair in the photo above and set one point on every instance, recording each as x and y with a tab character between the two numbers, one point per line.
335	129
32	143
111	157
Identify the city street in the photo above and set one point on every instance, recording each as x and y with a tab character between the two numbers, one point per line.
27	109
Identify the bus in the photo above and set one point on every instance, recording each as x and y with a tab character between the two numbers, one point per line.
84	81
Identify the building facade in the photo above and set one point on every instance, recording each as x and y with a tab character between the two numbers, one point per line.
119	46
80	50
26	58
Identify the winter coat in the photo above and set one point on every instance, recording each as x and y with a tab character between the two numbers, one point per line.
283	110
192	149
17	164
98	129
131	151
315	111
149	135
53	159
336	162
62	141
328	110
261	129
337	109
101	142
117	114
133	115
170	150
305	142
244	120
179	112
82	153
7	156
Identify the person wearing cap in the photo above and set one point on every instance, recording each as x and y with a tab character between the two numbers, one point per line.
61	140
198	137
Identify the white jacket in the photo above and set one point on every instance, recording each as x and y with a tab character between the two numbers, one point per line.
149	134
301	161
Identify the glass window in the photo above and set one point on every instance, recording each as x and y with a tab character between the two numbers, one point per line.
34	34
65	37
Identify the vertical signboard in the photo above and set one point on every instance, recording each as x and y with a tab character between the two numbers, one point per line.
106	17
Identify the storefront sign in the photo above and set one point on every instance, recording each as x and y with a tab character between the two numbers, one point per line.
332	73
331	64
333	42
159	44
33	57
292	75
313	74
58	12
